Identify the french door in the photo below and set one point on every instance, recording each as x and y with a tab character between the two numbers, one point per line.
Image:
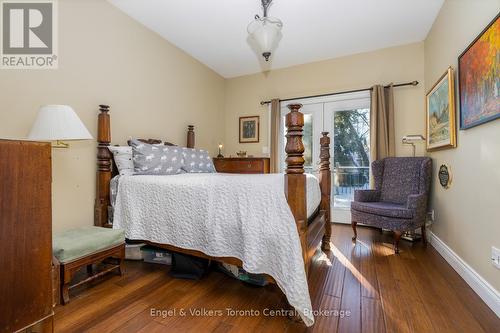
347	118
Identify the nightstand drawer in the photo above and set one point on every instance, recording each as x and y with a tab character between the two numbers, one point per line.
242	165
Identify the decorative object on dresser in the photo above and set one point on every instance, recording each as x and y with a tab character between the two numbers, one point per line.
242	165
220	151
440	116
25	236
249	129
58	123
399	200
478	68
241	153
84	247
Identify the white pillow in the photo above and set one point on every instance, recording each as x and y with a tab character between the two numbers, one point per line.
123	159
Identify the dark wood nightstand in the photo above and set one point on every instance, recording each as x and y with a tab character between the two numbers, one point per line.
242	164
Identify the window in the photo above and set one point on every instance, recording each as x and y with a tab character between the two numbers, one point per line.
351	154
347	118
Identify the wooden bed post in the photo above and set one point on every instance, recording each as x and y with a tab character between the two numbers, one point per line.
325	183
103	177
295	180
190	137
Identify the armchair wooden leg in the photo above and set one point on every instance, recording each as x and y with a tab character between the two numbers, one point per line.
424	235
353	225
397	236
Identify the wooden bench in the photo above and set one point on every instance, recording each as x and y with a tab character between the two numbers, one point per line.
87	246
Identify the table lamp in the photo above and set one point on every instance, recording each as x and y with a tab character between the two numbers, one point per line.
58	123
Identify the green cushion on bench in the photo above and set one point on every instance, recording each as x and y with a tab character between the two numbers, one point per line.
81	242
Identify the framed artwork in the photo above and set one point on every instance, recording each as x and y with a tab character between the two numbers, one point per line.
440	115
249	129
479	78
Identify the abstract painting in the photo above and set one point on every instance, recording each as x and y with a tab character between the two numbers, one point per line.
479	78
441	131
249	129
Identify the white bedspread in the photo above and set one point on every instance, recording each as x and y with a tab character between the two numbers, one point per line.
221	215
313	193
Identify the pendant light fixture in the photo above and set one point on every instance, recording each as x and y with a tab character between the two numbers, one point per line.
266	31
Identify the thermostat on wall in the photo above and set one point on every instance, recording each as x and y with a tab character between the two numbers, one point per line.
444	176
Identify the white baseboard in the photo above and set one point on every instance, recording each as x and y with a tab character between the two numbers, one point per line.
488	294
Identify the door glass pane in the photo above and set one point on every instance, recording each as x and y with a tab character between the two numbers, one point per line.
308	143
351	157
307	140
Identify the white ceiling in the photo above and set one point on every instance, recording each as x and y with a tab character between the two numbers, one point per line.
214	31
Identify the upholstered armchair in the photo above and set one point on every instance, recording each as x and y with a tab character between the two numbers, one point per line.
399	200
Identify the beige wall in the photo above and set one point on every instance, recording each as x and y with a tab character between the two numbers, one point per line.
467	214
154	89
396	64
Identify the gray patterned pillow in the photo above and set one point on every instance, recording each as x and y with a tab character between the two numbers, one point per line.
197	161
156	159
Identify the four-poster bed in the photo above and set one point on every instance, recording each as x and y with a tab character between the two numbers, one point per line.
312	231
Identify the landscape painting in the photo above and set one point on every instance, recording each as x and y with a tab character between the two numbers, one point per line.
479	78
441	131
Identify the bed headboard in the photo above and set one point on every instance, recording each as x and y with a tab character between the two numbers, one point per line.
105	165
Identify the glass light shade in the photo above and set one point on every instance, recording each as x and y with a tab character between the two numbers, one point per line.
266	31
58	122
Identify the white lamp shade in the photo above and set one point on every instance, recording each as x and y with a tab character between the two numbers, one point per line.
266	31
58	122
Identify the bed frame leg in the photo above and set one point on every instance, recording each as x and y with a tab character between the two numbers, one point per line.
325	183
295	180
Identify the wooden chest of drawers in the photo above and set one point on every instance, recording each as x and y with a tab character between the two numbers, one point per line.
25	236
242	165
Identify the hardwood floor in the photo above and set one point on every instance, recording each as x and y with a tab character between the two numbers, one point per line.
373	290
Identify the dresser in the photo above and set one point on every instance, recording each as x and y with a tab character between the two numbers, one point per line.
25	236
242	164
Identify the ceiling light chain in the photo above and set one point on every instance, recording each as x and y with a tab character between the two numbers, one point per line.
265	5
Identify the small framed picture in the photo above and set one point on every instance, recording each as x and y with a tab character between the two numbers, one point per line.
440	105
249	129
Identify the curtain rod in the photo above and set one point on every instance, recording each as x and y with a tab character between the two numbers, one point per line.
412	83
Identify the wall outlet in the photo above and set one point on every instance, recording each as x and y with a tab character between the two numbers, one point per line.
430	215
495	257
